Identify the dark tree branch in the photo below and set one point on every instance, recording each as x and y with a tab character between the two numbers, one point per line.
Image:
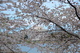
75	9
75	35
7	46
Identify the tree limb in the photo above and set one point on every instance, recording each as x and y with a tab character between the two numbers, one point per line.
75	35
75	9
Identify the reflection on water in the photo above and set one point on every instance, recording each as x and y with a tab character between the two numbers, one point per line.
28	49
49	48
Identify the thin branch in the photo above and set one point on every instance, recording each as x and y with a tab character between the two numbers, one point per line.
7	46
75	35
75	9
66	42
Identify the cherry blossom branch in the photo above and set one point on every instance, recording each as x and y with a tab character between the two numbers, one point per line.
75	35
75	9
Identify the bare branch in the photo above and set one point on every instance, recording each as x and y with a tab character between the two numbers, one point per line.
75	35
75	9
7	46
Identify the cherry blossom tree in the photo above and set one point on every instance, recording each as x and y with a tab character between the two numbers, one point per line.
55	23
